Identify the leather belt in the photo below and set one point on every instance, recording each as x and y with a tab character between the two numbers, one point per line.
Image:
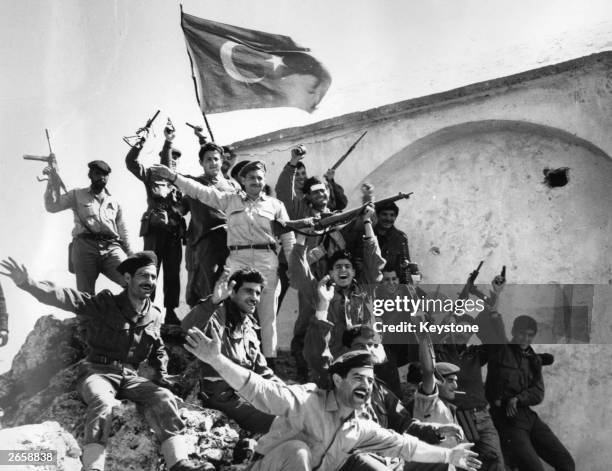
254	246
103	237
104	360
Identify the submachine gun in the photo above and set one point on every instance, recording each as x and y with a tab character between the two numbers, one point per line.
51	171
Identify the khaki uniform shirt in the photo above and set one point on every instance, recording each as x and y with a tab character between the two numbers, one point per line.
312	415
98	214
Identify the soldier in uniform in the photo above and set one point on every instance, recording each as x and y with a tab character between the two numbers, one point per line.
162	225
230	310
393	242
250	236
122	331
206	239
100	239
3	320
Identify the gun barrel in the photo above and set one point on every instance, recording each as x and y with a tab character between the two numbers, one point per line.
191	125
479	266
36	157
152	119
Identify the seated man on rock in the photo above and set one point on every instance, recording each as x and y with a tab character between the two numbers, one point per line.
316	428
122	331
230	309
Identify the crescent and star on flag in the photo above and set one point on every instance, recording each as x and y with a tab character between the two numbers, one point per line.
225	53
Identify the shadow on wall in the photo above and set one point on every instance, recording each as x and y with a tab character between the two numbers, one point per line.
479	193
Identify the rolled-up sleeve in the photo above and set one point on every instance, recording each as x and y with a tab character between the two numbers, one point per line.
274	398
206	194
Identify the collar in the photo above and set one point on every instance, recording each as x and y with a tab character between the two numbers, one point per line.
331	402
130	314
262	196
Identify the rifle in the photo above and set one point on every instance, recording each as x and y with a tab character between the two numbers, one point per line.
141	132
346	154
52	169
334	219
465	292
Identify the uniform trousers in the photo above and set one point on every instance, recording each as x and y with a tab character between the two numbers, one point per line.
526	438
91	257
101	388
204	262
265	261
169	251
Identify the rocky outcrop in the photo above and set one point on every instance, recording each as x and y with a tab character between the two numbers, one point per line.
43	410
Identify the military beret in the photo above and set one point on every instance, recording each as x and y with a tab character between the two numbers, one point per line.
362	330
236	169
100	165
349	360
254	165
136	261
444	369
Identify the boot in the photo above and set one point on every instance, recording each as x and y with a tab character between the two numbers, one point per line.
188	465
93	457
175	453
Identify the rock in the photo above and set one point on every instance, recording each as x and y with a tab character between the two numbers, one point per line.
48	436
42	407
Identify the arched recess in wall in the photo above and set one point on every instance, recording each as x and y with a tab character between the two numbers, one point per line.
479	194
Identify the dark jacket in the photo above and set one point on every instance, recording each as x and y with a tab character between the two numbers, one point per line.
170	204
240	342
115	331
515	372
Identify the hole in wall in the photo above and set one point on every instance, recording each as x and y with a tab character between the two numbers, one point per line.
557	177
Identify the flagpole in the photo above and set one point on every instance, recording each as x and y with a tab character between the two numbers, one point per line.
195	83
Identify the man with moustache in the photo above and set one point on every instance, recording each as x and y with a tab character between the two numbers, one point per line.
206	237
336	302
122	331
393	242
250	236
162	226
230	310
319	429
100	239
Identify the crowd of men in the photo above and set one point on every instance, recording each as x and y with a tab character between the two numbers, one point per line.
243	249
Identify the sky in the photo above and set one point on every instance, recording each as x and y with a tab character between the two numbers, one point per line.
94	71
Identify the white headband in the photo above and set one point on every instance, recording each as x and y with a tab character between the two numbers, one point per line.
318	186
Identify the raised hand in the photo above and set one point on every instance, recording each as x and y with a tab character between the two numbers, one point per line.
162	171
297	154
462	457
223	289
204	348
368	213
330	174
325	290
17	273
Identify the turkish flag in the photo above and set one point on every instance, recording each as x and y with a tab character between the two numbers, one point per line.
237	68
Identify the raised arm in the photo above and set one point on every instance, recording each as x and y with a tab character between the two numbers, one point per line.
373	262
285	186
206	194
266	395
133	164
44	291
55	201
